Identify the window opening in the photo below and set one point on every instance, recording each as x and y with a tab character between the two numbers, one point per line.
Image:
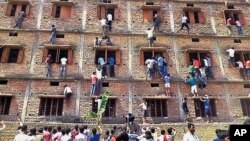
13	56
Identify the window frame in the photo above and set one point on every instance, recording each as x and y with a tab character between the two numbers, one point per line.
58	59
6	54
109	110
5	110
55	102
117	57
66	9
245	106
200	112
156	108
231	13
207	52
102	9
18	8
154	51
190	13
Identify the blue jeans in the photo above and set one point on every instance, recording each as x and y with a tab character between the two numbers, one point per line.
240	32
48	70
162	72
52	39
93	87
63	70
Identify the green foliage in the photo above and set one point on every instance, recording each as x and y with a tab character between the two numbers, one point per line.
104	102
91	115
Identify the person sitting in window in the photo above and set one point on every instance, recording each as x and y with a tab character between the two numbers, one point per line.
67	91
108	41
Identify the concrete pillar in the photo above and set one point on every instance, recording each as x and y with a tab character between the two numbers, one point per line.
177	71
228	102
218	51
213	24
130	61
26	99
40	14
129	15
171	14
84	14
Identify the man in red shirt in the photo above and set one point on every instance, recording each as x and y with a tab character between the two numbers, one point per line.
93	87
196	64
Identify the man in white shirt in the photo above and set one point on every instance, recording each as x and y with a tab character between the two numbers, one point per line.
67	91
190	136
103	23
58	135
239	27
184	23
63	66
150	36
171	134
102	63
150	66
22	136
231	56
65	135
110	18
81	136
145	112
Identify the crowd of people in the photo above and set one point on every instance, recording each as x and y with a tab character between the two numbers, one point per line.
127	132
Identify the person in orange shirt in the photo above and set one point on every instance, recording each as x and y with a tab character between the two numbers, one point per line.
248	68
196	64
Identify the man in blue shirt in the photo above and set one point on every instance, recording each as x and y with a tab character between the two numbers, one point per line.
94	136
111	62
207	107
160	61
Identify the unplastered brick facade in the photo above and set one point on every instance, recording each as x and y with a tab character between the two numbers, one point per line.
78	24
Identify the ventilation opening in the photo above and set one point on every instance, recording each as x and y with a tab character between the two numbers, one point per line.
195	40
3	82
149	3
154	84
230	6
53	83
190	5
105	84
246	85
237	40
13	33
60	36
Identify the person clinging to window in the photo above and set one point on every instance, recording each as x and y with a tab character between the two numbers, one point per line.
229	25
108	41
150	36
184	23
156	23
53	35
67	91
47	64
102	64
110	18
239	27
19	19
63	66
97	42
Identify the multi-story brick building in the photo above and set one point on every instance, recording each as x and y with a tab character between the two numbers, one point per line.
27	93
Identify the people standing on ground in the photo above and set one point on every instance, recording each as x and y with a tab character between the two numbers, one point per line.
185	110
207	107
22	136
67	91
63	67
231	60
95	136
229	25
163	136
167	80
192	82
110	18
111	62
53	35
143	106
171	134
47	64
19	19
184	23
93	85
58	135
150	36
239	27
190	135
81	136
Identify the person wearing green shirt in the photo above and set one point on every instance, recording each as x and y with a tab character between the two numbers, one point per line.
191	69
192	82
